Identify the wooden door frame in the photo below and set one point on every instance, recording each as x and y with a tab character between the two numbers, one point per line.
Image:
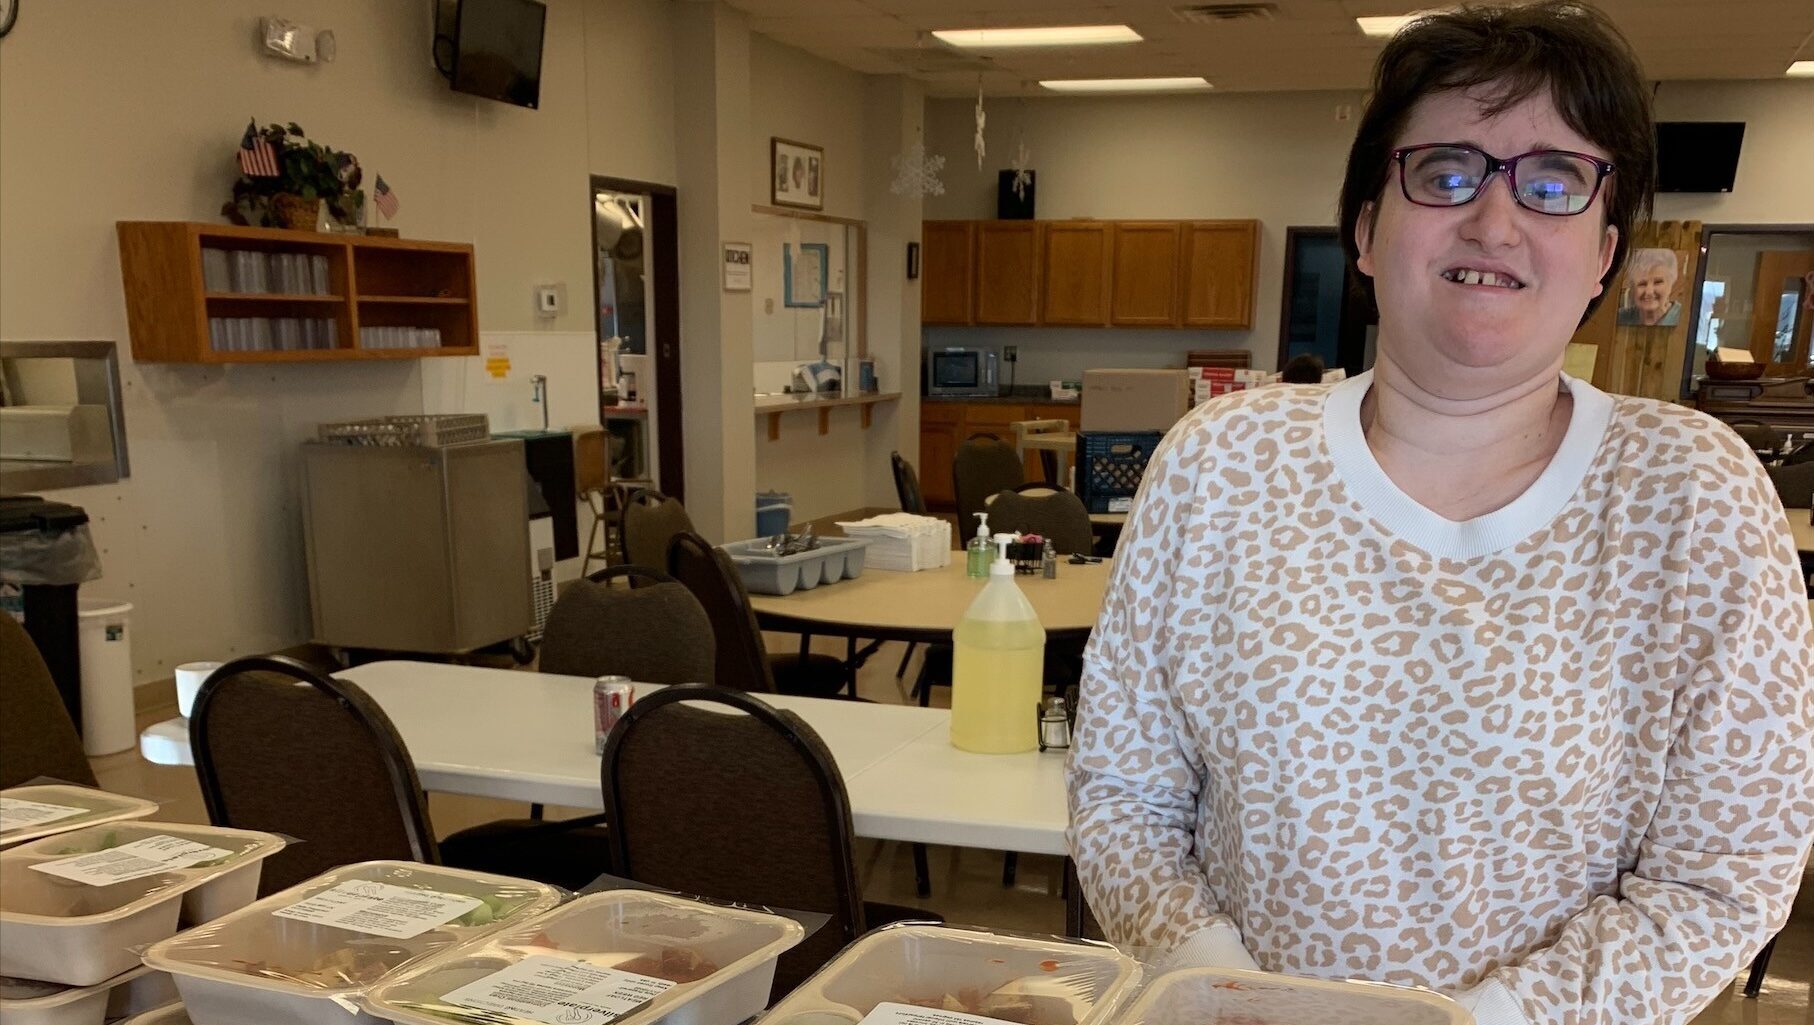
1700	280
664	341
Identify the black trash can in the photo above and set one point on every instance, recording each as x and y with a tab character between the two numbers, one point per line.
46	550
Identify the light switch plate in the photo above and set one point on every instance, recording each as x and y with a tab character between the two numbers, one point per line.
550	300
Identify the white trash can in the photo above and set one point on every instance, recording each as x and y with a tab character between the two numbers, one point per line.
108	720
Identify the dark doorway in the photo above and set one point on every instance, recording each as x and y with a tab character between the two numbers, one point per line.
1324	314
636	300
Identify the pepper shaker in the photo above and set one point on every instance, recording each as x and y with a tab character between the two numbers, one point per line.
1048	562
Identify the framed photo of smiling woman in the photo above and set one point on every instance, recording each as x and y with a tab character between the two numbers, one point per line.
796	174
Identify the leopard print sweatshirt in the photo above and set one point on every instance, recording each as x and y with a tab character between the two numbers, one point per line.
1555	760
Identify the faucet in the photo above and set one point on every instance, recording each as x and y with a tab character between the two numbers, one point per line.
539	395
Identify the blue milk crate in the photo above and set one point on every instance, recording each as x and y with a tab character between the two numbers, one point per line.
1110	465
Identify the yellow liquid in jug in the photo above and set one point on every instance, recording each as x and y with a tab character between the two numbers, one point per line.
998	677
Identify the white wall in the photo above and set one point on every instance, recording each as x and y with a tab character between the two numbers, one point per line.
1278	157
113	111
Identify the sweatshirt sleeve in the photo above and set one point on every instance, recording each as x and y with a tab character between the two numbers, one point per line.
1133	783
1722	857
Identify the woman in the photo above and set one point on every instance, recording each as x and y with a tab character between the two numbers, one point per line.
1460	673
1650	280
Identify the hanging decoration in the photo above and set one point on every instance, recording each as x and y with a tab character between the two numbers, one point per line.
981	119
1022	176
916	173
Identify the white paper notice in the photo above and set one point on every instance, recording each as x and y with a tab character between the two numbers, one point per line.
910	1014
135	860
560	992
380	909
17	814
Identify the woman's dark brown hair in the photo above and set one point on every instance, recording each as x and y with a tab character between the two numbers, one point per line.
1504	54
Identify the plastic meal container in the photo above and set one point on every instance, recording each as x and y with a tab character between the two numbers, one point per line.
1217	996
835	559
1025	979
271	964
169	1014
43	1003
720	960
76	934
64	808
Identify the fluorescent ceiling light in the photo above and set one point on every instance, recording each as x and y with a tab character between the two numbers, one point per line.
1057	35
1801	69
1124	85
1385	26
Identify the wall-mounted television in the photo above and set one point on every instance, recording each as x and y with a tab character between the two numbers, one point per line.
492	48
1698	156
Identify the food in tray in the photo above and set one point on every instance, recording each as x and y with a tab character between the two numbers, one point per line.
675	964
353	966
1022	1008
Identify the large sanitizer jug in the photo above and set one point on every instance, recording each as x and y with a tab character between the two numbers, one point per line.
998	667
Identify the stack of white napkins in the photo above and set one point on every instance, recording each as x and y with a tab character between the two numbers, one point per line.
903	542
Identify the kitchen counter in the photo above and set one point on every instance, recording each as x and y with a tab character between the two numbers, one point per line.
1020	397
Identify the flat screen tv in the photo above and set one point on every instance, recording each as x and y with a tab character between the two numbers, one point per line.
1698	156
497	50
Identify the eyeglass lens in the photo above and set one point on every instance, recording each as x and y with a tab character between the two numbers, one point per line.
1547	181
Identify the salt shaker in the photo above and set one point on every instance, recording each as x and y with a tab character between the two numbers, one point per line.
1048	562
1054	725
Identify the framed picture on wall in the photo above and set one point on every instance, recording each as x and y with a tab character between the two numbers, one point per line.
803	273
796	174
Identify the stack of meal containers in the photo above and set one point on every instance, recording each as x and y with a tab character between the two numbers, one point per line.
77	907
29	812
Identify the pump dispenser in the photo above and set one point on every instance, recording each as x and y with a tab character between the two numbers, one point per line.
998	666
977	555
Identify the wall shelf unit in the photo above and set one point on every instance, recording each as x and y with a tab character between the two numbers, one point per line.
773	408
376	298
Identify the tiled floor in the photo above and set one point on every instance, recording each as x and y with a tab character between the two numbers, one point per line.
967	884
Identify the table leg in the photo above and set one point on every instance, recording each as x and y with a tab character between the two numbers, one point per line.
922	873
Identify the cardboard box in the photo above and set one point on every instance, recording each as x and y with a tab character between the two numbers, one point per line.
1211	382
1134	400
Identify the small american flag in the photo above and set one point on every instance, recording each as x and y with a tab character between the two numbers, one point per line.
384	199
256	157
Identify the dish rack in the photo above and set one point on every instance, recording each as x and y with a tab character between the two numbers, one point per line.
431	430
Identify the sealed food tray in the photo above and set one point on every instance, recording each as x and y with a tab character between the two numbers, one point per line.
1226	996
835	559
720	962
23	1002
169	1014
50	808
1110	465
304	956
1024	979
434	430
62	930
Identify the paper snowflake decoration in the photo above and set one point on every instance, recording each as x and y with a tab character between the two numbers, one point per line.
916	173
981	118
1022	176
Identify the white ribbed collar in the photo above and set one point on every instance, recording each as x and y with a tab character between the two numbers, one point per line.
1496	531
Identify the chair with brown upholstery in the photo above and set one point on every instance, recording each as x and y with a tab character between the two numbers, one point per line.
283	748
37	737
1047	510
984	465
652	632
742	659
1794	484
649	521
746	806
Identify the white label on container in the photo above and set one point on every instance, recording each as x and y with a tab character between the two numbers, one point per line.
380	909
913	1014
17	814
560	992
135	860
1120	505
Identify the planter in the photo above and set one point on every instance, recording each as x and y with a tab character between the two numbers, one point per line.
295	212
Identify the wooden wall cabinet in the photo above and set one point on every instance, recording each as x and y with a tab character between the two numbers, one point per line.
1146	278
1007	273
1217	273
1075	263
947	272
174	317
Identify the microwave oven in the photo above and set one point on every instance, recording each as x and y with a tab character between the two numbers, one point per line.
961	370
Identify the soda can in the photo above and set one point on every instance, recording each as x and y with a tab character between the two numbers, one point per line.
612	696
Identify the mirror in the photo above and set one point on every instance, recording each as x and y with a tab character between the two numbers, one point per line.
808	289
1758	294
61	422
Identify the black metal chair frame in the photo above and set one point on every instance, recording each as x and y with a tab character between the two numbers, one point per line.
406	789
837	805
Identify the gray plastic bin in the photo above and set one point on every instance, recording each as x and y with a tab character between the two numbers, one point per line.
835	559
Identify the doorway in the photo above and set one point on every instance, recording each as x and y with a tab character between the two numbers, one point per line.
636	300
1325	313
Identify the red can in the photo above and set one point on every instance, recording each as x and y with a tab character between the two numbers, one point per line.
612	696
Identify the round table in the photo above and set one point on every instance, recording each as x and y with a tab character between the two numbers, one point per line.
927	605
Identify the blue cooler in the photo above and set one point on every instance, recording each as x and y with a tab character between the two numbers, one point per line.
774	511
